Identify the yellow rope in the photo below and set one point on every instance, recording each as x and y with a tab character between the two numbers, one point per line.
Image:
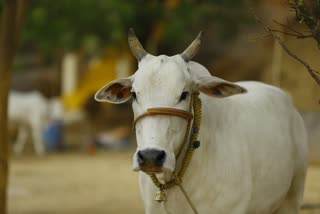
188	199
189	153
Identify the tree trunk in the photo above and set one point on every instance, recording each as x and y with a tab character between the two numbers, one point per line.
13	13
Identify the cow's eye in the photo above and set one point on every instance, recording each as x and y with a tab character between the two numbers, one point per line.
134	95
183	96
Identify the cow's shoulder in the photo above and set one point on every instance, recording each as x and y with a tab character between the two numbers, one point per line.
263	95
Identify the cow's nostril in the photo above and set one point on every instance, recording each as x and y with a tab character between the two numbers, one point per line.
151	157
140	158
161	156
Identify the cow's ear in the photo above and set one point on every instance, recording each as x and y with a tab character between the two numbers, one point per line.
116	92
216	87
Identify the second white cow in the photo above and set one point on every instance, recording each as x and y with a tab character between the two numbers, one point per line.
31	113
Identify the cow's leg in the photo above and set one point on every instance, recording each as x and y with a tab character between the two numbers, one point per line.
287	207
292	203
21	139
36	129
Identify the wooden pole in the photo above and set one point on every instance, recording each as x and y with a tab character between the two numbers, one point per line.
13	13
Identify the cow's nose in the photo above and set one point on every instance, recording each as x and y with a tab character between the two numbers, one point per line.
151	157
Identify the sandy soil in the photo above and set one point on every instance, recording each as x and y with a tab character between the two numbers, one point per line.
83	184
70	184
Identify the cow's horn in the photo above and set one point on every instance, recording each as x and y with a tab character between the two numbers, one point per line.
135	46
192	50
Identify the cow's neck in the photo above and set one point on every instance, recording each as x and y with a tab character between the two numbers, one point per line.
204	169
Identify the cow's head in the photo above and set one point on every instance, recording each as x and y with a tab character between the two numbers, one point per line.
163	81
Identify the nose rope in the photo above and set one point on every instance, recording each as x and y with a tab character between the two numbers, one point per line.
193	144
179	183
163	111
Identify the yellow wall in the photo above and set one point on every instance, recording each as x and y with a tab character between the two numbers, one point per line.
99	73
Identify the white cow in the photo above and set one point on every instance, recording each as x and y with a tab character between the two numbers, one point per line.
253	153
29	111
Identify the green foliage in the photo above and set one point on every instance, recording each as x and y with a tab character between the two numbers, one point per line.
69	24
220	16
65	25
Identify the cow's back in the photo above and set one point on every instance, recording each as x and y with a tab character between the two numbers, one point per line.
26	107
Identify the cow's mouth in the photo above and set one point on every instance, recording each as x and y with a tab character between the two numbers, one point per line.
151	169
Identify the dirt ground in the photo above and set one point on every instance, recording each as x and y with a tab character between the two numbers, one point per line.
91	184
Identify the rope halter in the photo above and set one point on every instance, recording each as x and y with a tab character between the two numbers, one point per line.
164	111
192	143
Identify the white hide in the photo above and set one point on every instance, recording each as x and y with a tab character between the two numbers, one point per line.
253	153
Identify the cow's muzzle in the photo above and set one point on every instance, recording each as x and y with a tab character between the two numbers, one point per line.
151	160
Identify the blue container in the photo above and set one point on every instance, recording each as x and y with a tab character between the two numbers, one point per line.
52	136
